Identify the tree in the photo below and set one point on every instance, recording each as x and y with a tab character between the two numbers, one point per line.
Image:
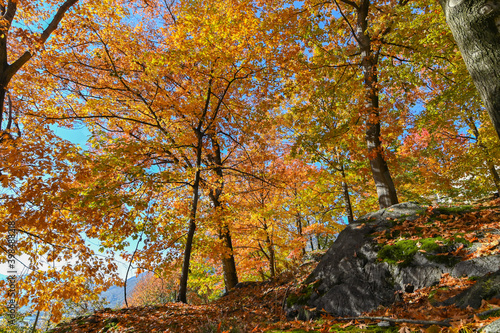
176	107
40	194
153	290
370	53
474	25
352	45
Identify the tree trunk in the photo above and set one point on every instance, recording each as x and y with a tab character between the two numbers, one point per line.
298	224
347	197
494	174
182	296
475	27
311	243
227	258
228	262
485	151
270	248
2	102
272	259
386	190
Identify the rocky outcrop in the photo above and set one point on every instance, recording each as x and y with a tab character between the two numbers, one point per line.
351	279
487	287
494	327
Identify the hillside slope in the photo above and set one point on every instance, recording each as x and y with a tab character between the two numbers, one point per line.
260	306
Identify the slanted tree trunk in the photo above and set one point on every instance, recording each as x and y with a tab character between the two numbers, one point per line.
386	190
475	26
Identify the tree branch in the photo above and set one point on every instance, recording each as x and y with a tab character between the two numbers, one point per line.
11	10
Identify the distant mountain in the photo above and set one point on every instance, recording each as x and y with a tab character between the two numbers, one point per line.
114	295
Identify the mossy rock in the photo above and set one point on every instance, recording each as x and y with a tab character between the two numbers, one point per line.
486	288
402	252
454	209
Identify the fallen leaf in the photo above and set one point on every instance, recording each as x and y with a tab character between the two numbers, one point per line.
433	329
404	329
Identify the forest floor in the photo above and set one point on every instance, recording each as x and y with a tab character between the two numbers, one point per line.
258	306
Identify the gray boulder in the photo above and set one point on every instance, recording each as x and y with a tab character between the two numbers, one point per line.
494	327
487	287
350	280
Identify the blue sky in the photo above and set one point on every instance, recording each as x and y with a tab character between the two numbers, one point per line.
77	136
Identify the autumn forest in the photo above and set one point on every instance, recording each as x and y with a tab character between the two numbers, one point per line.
227	139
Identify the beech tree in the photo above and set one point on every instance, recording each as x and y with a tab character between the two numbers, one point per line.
475	26
362	31
172	98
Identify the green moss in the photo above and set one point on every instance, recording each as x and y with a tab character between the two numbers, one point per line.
455	209
403	251
430	244
459	238
296	299
303	295
490	314
490	288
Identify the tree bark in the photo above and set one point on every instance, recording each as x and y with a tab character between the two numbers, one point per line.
475	27
386	190
298	224
347	197
228	262
485	151
227	258
182	296
270	247
272	257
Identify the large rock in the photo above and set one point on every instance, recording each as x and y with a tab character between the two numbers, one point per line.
487	287
350	280
494	327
